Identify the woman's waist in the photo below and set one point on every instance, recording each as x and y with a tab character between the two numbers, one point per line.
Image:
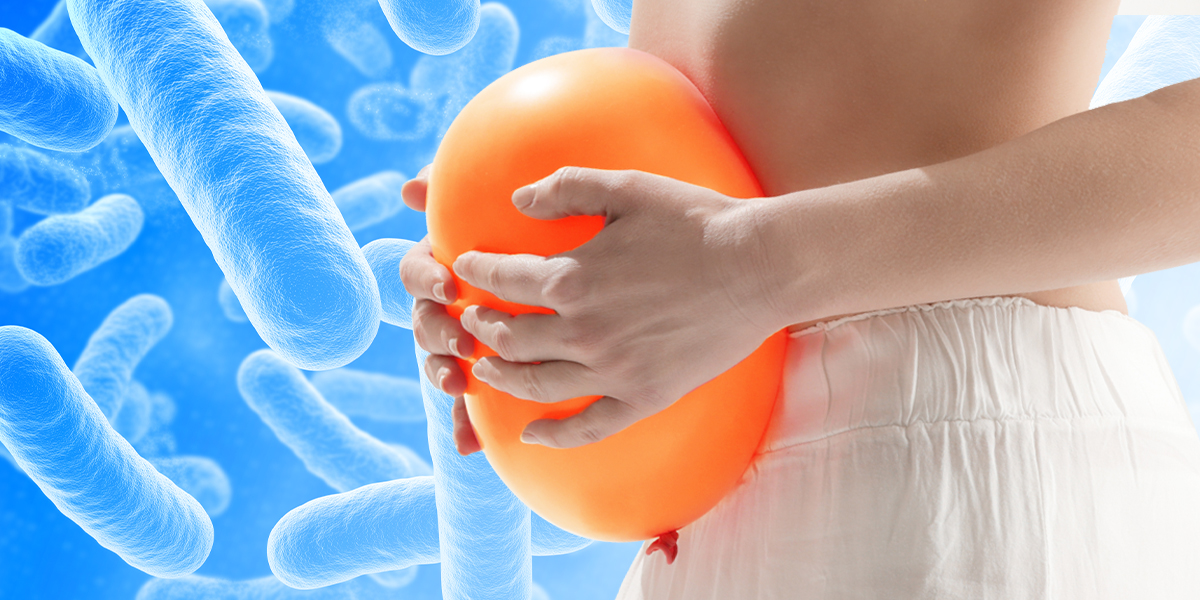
1095	297
998	358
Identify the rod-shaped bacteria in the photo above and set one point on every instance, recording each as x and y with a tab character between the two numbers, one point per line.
489	55
379	527
1164	51
374	395
614	13
51	99
32	181
247	25
390	112
325	440
316	130
240	174
112	353
63	442
433	26
370	200
483	529
384	256
230	306
201	477
360	43
60	247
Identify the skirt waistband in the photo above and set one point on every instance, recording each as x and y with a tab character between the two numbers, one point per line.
995	358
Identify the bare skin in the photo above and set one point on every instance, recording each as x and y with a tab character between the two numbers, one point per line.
912	152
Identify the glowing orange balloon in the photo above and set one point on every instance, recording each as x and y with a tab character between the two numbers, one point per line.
609	108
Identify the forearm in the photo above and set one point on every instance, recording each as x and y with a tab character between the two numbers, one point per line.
1099	195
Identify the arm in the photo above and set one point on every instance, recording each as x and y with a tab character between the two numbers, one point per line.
1107	193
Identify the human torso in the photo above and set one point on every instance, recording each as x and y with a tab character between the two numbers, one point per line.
818	92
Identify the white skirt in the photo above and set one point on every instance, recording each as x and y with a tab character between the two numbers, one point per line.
986	449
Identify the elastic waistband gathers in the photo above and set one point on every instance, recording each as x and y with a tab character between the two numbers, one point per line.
998	358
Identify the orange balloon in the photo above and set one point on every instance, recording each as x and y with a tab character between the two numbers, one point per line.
607	108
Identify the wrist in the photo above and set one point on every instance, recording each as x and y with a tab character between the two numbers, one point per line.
843	249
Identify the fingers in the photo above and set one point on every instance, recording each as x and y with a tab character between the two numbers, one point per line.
525	338
521	278
414	190
445	373
572	191
426	278
552	381
438	332
465	439
601	419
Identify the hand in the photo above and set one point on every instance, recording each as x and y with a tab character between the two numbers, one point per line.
672	292
435	330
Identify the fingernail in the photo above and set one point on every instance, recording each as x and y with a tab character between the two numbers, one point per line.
523	197
477	371
454	348
439	291
529	438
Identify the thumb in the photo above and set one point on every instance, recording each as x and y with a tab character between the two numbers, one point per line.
599	420
573	191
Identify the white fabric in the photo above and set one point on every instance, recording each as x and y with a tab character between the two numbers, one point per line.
986	449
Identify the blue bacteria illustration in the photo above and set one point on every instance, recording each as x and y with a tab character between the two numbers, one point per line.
184	429
615	13
433	26
324	439
384	256
51	99
247	24
483	530
230	305
64	443
390	112
221	142
105	368
360	43
34	182
375	528
377	396
370	200
317	131
60	247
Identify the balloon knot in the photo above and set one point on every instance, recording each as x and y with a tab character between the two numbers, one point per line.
668	543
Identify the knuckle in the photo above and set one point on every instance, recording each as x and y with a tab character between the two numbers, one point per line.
649	397
564	287
532	385
586	340
587	431
565	176
624	179
504	343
